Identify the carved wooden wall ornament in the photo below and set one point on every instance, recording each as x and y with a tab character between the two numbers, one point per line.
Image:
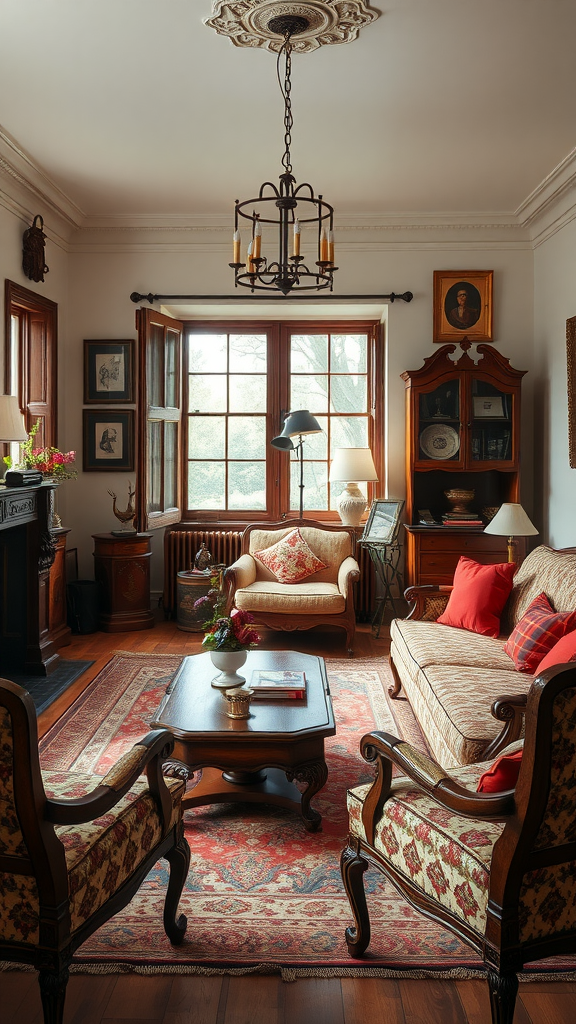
33	242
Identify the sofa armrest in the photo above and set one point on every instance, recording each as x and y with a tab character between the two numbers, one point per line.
241	574
428	602
348	573
386	750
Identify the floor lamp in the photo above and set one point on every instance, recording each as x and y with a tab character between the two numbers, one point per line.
297	424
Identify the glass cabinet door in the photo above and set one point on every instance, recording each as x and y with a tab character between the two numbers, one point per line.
491	417
439	426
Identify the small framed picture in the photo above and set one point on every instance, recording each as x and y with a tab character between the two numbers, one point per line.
488	407
463	305
383	522
108	372
108	440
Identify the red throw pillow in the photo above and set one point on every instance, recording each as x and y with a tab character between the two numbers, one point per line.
564	650
502	775
539	629
479	595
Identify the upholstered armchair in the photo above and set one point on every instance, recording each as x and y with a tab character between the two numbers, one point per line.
496	868
74	848
290	582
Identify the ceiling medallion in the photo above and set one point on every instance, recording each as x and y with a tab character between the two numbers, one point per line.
247	22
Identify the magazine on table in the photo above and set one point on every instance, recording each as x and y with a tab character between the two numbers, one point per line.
284	684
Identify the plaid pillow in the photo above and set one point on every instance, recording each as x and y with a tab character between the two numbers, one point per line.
290	559
538	630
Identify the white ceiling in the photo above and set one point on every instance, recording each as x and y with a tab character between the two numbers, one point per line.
135	108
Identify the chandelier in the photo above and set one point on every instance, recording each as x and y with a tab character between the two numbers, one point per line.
290	208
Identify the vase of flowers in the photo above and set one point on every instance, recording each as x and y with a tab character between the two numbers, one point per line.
228	639
49	461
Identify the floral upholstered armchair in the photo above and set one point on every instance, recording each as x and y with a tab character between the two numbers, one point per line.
296	575
74	849
496	868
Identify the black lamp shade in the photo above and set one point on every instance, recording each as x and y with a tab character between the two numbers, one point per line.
300	422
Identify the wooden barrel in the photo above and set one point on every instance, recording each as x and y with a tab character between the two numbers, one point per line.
190	587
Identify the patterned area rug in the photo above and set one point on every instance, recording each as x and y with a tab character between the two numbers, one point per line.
262	893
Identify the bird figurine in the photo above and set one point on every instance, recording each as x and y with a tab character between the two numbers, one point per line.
126	517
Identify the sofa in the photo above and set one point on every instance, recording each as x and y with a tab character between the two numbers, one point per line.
455	680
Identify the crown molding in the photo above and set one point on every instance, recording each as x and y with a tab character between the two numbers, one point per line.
554	187
25	186
18	166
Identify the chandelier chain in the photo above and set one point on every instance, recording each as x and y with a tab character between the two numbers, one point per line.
286	90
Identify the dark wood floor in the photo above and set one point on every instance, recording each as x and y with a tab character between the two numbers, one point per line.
161	999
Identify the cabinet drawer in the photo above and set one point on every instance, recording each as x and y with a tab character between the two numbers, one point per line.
461	542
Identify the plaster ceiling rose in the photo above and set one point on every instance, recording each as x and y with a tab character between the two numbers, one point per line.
247	22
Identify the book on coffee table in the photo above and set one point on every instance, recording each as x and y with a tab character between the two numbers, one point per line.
282	685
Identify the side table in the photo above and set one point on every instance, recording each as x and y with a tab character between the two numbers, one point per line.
122	568
386	561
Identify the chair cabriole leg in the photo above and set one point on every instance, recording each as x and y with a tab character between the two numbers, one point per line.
353	866
503	991
53	993
179	860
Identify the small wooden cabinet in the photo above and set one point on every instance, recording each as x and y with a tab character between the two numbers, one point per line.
122	568
463	431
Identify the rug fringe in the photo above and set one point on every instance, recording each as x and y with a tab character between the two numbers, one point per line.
291	973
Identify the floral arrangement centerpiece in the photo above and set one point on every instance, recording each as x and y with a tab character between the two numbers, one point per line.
232	632
49	461
228	638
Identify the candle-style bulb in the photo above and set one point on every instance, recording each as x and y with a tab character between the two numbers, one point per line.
324	246
296	238
331	246
249	257
236	246
257	239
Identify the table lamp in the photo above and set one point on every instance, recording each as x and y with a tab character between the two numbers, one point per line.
511	521
352	465
12	426
297	424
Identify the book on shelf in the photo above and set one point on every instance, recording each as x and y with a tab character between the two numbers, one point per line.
283	685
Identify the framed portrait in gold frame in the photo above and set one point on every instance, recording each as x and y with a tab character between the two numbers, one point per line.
463	305
571	368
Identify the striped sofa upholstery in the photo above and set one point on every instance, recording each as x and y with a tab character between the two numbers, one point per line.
452	676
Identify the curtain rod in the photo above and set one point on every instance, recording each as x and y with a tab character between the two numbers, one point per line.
405	296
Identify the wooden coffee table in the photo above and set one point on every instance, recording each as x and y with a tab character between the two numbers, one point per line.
254	759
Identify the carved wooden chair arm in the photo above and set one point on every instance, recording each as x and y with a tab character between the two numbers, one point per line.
148	754
510	710
348	574
428	601
386	750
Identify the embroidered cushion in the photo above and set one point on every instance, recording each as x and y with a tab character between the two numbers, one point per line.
290	559
479	595
502	775
562	652
535	635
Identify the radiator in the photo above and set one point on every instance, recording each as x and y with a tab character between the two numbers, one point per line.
180	546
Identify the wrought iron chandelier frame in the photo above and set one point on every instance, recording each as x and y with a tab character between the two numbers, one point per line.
289	269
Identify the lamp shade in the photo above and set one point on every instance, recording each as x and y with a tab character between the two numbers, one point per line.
12	426
300	422
353	464
511	521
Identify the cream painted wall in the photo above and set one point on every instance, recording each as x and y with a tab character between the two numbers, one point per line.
100	307
554	303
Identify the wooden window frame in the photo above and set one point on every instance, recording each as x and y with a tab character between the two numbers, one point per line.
278	370
27	305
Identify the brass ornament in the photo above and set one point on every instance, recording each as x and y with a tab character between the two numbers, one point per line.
33	242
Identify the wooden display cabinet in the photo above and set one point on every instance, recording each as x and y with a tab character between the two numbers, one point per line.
463	431
122	568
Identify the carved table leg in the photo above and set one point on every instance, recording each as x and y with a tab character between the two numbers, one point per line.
315	774
503	991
